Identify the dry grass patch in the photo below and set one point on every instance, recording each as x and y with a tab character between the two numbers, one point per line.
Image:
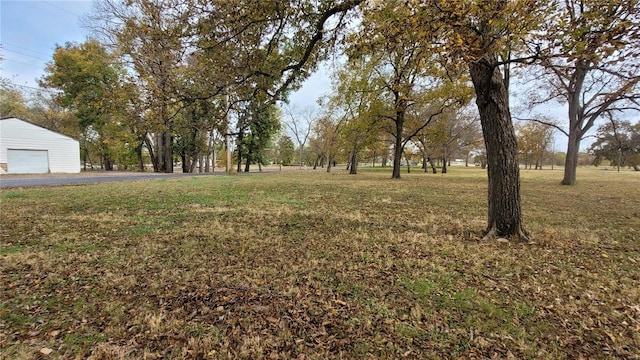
314	265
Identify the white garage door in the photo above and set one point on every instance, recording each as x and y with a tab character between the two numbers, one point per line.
27	161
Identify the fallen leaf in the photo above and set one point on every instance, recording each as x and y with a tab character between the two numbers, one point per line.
46	351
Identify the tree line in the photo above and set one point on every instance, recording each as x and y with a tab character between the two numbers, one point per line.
175	77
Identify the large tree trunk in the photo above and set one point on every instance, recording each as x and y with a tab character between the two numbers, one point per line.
571	161
210	149
139	157
445	159
240	138
576	121
108	165
152	154
185	162
167	154
195	159
397	148
354	163
159	146
505	214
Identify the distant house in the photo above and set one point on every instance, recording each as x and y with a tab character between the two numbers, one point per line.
26	148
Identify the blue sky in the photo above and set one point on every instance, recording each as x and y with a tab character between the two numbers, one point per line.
30	31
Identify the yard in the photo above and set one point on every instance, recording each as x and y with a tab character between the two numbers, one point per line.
311	265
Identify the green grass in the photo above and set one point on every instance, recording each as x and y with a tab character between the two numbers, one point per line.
316	265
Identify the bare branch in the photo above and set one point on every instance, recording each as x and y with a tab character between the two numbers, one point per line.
545	123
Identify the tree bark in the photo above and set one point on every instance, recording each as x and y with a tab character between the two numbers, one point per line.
240	138
397	149
406	159
158	150
576	121
434	170
505	213
195	159
207	157
571	161
167	154
152	154
354	163
140	158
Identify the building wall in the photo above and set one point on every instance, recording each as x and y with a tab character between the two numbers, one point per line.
64	152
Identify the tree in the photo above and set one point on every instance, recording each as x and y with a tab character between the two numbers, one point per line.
358	133
264	124
300	124
401	68
455	132
619	143
355	106
478	34
589	53
151	35
236	49
46	112
88	78
324	140
534	142
286	149
12	102
191	134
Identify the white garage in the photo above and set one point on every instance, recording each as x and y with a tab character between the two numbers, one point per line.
26	148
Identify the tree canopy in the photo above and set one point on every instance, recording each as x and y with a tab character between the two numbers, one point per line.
619	143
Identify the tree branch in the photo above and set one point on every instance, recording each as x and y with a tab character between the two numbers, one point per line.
544	123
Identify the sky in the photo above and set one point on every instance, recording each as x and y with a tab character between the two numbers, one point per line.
29	32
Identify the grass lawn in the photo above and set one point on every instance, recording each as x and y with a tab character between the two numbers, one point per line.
311	265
